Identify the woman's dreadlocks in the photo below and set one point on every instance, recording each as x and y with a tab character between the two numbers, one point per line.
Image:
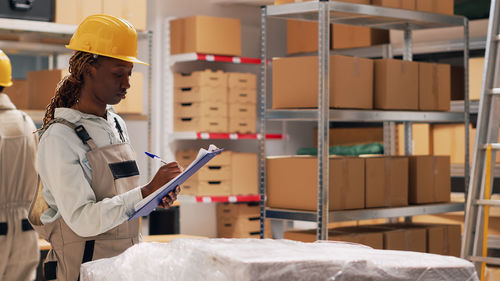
69	88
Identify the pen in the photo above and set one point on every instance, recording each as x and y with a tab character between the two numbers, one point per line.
155	156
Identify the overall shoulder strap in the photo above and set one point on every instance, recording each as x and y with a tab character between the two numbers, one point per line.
79	130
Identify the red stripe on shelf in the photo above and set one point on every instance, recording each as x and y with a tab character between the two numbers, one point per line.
224	199
203	57
274	136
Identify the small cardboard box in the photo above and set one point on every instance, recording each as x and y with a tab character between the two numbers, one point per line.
449	139
242	81
232	211
443	239
216	79
398	4
213	187
434	91
476	69
429	179
295	82
421	139
242	125
18	93
211	172
75	11
405	239
238	225
292	183
242	96
386	182
433	6
351	136
242	110
396	84
202	109
133	101
362	235
207	35
201	94
42	86
200	124
185	157
244	173
134	11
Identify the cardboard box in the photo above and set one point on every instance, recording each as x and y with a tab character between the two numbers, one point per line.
292	183
213	187
202	109
244	173
302	36
449	139
42	86
476	69
207	77
351	136
386	182
201	94
201	124
433	6
279	2
434	91
352	235
214	172
231	211
237	225
443	239
398	4
429	179
242	110
134	11
18	93
396	84
405	239
75	11
295	82
242	125
242	96
207	35
242	81
421	139
185	157
133	102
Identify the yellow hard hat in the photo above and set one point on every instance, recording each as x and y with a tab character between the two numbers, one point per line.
107	36
5	70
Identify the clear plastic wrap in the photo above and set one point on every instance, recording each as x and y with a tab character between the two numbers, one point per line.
272	260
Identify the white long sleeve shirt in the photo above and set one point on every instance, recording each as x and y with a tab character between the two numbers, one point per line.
66	175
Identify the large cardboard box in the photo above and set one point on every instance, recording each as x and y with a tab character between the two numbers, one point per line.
205	77
396	84
242	110
201	94
201	124
74	11
202	109
421	139
398	4
42	86
18	93
351	136
401	237
207	35
292	183
134	11
243	125
433	6
133	102
302	36
476	69
443	239
434	91
242	96
244	173
295	82
449	139
242	81
386	182
429	179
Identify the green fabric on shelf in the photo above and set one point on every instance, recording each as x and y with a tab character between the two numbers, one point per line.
346	150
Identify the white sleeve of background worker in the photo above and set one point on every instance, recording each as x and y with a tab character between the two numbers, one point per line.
67	176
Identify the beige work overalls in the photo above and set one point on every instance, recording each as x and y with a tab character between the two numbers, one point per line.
114	171
19	252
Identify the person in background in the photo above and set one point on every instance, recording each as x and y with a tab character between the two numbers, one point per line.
86	163
19	254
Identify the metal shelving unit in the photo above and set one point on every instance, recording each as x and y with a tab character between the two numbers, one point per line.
324	13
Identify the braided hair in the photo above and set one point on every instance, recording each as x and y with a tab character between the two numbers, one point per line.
68	90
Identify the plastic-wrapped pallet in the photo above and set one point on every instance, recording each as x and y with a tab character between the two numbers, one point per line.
272	260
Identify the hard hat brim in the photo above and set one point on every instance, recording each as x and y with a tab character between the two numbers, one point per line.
6	84
123	58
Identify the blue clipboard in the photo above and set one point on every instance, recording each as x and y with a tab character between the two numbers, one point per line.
155	201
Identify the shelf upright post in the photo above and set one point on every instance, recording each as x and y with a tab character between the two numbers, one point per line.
407	55
262	125
389	127
466	105
150	96
323	114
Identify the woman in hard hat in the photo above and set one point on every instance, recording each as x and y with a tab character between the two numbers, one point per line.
86	163
18	181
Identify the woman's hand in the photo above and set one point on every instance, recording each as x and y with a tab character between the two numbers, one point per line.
164	174
169	200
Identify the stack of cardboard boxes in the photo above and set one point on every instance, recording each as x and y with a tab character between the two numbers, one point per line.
240	220
242	102
357	183
230	173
